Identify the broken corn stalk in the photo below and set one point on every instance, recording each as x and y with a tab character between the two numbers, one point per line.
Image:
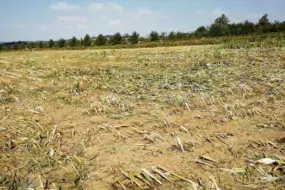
195	185
180	144
152	176
131	178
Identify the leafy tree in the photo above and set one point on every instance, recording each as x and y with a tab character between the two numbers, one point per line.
125	39
263	21
3	47
126	36
163	35
33	45
116	39
142	39
72	42
154	36
222	20
50	43
77	42
233	29
172	36
220	26
201	31
275	26
282	26
22	45
87	40
100	40
61	43
41	44
15	46
192	34
216	30
180	35
264	24
134	38
248	27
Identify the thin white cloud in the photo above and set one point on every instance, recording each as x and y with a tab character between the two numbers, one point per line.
96	7
234	17
80	26
218	12
63	6
209	15
201	12
21	26
241	17
68	26
73	19
105	8
117	23
253	16
146	13
43	27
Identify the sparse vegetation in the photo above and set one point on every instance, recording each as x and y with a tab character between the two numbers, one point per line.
212	115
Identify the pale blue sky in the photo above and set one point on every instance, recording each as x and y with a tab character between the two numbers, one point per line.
45	19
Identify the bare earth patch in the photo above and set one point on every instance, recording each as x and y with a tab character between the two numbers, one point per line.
201	117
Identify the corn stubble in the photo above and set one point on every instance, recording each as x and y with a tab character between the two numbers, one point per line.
43	148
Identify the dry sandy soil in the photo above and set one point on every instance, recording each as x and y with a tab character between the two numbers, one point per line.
94	119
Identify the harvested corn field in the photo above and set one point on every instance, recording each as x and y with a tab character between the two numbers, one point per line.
200	117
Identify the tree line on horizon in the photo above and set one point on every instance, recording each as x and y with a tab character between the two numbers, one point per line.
220	27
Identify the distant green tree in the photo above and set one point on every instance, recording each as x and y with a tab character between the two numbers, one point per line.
154	36
3	47
216	30
41	44
276	26
87	40
127	36
78	42
15	46
220	26
172	36
248	27
264	20
134	38
180	35
61	43
142	39
264	24
100	40
29	45
125	39
50	43
282	26
232	28
163	35
72	42
222	20
33	45
116	39
201	31
236	29
22	45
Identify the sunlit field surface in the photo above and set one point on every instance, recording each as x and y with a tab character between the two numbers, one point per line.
192	117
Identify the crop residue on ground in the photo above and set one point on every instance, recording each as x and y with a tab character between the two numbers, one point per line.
201	117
